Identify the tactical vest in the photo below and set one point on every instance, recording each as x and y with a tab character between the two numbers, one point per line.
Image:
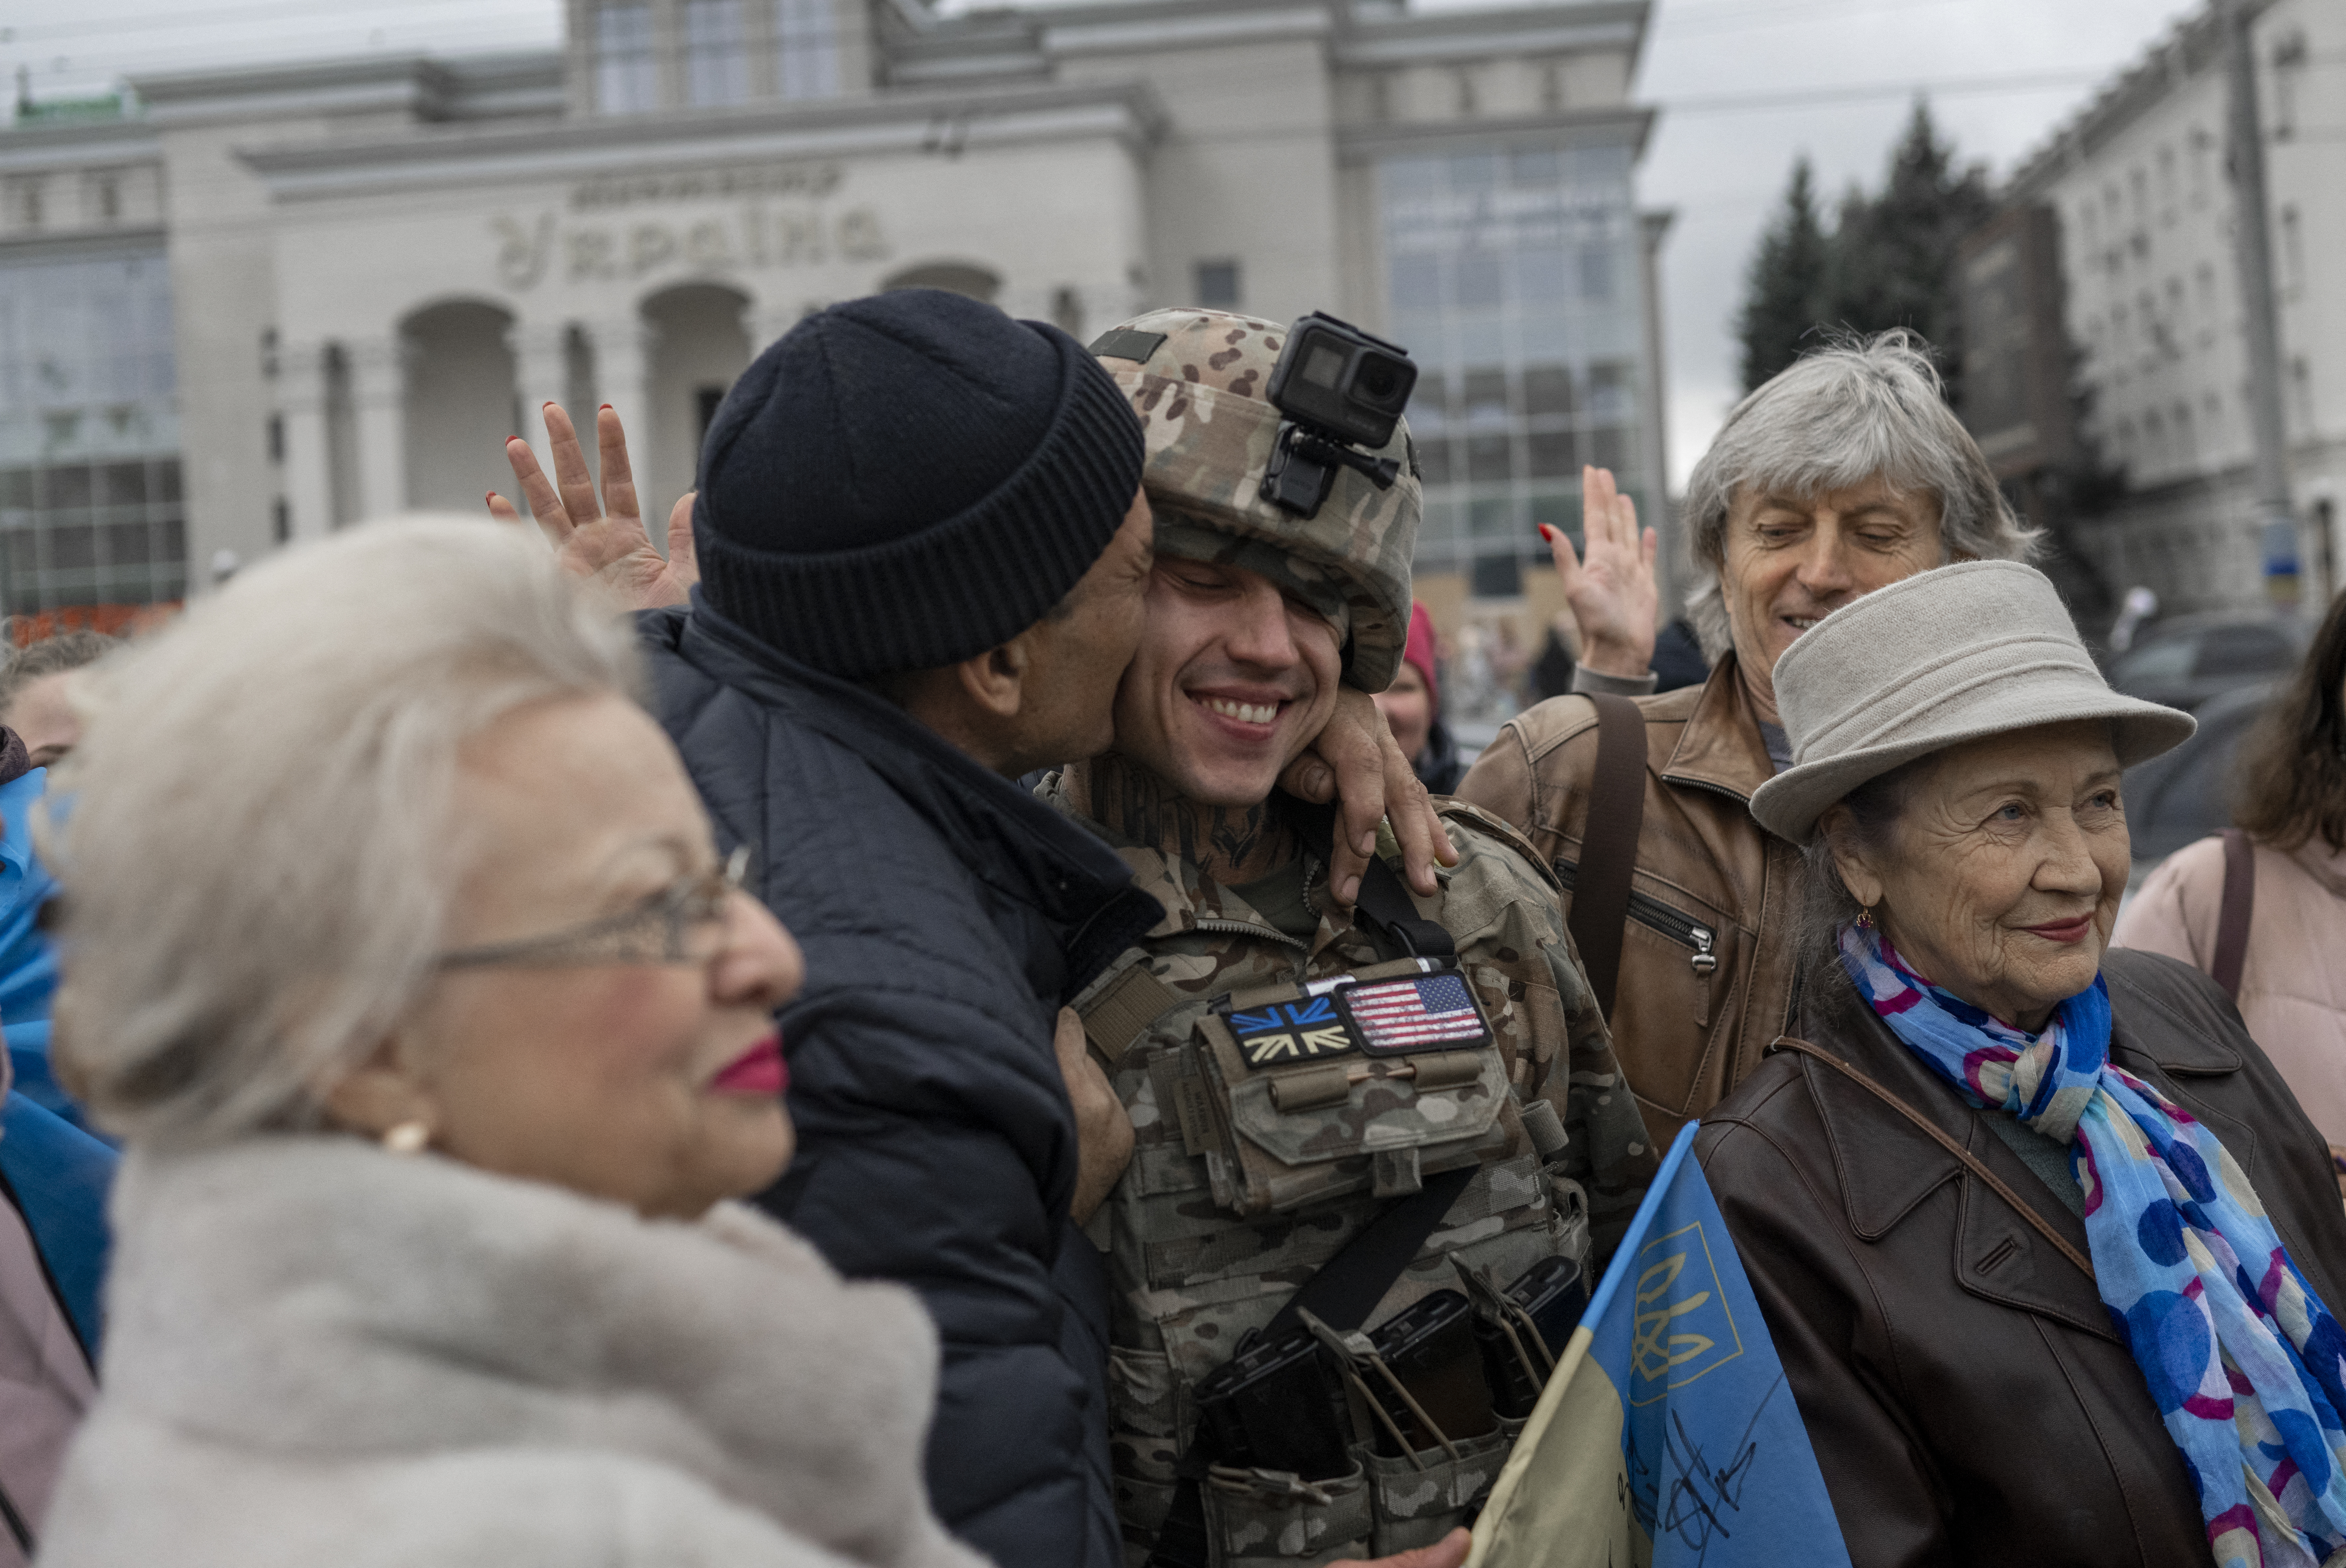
1246	1178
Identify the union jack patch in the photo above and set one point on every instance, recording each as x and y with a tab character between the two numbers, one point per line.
1310	1030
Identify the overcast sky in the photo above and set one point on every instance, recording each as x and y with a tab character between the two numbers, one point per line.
1743	86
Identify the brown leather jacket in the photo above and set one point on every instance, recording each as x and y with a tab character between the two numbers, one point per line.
1705	973
1968	1399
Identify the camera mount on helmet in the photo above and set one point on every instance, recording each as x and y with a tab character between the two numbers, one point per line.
1340	389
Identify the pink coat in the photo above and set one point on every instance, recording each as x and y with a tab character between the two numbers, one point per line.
2294	983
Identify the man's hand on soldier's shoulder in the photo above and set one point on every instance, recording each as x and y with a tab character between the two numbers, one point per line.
604	540
1356	763
1104	1136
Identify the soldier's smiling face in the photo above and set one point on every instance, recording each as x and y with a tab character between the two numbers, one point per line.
1232	680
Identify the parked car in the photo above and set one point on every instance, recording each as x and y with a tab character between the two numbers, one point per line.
2187	794
2184	660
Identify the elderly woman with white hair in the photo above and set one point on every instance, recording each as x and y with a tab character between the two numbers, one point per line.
1845	473
399	951
2049	1251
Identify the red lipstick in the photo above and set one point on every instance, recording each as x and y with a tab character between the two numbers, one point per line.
2064	931
759	1070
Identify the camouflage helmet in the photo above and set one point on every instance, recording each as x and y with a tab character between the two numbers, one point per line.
1196	379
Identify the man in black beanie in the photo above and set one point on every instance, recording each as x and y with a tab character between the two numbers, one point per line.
924	550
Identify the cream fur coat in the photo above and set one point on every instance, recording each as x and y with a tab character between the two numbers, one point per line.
319	1354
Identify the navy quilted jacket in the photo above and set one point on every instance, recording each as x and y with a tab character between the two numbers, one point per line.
945	915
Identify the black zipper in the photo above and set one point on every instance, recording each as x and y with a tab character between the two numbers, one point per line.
1654	915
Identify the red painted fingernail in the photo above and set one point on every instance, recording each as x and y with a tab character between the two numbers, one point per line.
493	496
606	405
1547	533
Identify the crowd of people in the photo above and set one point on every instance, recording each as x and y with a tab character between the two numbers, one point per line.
936	1021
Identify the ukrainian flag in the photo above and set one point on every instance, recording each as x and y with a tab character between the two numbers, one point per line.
1666	1435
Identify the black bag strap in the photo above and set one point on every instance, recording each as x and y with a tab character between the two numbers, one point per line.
2232	917
1969	1160
1397	925
1341	1293
1388	915
1345	1290
1608	844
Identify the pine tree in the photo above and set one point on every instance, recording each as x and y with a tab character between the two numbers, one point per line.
1888	260
1892	258
1785	286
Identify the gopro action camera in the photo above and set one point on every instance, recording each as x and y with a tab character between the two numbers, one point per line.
1340	381
1340	389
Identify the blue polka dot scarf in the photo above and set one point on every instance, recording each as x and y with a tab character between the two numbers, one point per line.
2243	1360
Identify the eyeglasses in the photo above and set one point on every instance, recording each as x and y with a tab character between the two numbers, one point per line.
684	923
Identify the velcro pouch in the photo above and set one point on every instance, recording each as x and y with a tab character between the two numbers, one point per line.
1269	1516
1362	1083
1420	1499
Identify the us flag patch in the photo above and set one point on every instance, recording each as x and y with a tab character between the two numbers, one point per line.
1434	1013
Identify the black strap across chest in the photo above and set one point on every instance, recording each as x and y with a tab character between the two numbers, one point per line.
2232	916
1608	844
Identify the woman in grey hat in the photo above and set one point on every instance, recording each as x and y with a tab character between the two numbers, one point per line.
2047	1246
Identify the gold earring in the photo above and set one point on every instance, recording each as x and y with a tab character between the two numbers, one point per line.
408	1137
1865	917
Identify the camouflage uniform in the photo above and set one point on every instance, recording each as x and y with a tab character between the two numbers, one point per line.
1231	1204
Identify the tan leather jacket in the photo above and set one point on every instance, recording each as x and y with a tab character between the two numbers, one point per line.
1706	961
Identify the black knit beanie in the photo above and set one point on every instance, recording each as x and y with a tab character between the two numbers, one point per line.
905	481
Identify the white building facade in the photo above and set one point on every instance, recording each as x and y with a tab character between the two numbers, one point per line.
294	297
2141	187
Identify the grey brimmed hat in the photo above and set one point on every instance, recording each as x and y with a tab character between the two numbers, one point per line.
1955	654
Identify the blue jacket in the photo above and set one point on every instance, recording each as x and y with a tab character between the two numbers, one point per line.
945	916
51	1170
57	1176
28	968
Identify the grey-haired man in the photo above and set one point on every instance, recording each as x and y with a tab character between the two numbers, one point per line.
1845	473
923	549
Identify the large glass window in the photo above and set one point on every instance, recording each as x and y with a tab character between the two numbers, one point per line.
806	49
1513	283
715	70
90	509
627	75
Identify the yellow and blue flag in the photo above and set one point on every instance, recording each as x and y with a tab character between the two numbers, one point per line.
1666	1435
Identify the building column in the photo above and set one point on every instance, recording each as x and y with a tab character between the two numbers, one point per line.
623	378
542	376
379	369
309	449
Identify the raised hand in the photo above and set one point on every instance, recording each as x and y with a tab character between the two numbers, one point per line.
604	540
1612	593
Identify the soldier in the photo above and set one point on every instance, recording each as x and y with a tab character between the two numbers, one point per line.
1262	1155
